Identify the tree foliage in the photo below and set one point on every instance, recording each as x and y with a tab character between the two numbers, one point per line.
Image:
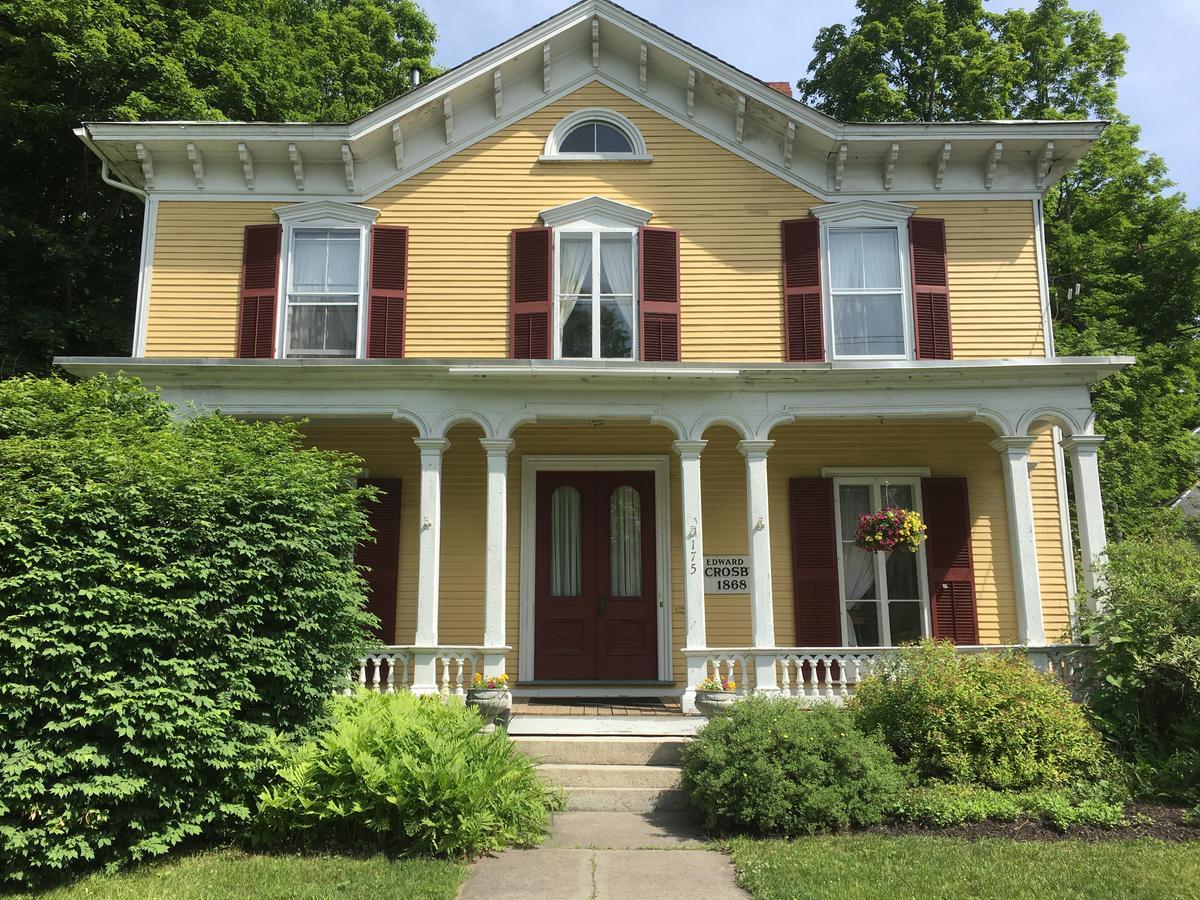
172	593
1113	226
68	243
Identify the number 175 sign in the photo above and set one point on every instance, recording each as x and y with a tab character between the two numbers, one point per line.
726	575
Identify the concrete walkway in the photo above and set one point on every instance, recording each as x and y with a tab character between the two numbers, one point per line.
603	855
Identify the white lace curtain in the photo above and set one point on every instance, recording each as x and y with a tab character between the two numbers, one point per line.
566	542
325	262
625	530
616	264
575	270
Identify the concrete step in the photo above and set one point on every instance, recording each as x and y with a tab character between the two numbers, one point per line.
625	799
609	750
573	777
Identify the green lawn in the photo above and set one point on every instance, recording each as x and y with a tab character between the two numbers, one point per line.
231	874
877	867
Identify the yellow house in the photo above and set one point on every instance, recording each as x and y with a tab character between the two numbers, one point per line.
630	340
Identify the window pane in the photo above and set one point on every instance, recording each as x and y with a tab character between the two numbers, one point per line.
616	329
905	622
577	328
325	261
616	263
316	329
868	325
897	495
864	624
565	542
575	263
855	501
881	258
845	259
581	139
343	266
625	539
901	566
611	140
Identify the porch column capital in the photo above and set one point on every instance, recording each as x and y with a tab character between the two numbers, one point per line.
498	446
755	449
1013	444
431	447
1082	444
689	450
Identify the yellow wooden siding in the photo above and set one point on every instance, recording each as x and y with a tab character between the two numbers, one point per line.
728	210
801	449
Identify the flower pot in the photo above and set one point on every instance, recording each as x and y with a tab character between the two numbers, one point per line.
490	702
712	703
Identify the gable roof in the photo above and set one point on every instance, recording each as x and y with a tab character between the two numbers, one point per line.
590	41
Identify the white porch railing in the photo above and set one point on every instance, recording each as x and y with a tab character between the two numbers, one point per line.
830	673
423	670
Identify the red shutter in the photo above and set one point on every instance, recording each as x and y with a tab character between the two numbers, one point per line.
931	288
260	287
804	333
658	294
814	563
388	291
948	552
531	291
382	556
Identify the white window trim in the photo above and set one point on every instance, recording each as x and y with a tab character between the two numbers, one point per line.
876	478
331	215
595	216
856	214
551	153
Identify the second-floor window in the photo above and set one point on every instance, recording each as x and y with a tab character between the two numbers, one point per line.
324	292
866	292
595	315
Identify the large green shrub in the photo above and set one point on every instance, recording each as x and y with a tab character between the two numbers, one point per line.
1144	669
171	593
986	719
775	767
405	773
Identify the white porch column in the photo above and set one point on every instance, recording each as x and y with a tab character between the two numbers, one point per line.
494	578
428	564
1089	507
693	564
1014	452
762	612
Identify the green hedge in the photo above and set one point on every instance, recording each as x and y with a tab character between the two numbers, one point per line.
172	592
776	767
401	772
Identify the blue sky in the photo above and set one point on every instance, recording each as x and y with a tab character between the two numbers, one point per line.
772	39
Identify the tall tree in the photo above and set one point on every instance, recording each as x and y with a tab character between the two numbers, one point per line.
69	244
1112	225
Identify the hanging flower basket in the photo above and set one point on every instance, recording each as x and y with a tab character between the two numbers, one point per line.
890	529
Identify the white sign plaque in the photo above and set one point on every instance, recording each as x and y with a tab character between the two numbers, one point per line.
726	575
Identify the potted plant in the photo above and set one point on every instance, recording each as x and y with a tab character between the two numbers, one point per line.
491	698
892	528
715	695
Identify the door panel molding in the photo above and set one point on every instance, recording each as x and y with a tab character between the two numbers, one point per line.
659	465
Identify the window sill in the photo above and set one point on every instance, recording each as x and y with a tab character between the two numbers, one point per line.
594	157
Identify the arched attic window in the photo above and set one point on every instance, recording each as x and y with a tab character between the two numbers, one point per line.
591	135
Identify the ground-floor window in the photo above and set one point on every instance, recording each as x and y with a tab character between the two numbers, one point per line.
884	596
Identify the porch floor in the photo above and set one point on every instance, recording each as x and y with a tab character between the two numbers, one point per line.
597	706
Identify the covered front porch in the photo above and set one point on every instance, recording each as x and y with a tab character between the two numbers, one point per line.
705	460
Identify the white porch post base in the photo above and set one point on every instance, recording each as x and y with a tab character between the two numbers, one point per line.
425	672
1093	542
493	664
1014	451
697	671
766	680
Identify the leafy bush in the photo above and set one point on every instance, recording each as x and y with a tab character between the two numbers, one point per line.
774	767
405	772
989	719
1144	670
172	592
939	805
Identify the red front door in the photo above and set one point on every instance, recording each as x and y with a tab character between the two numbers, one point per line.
595	602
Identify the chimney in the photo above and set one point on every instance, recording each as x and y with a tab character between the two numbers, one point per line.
784	87
416	77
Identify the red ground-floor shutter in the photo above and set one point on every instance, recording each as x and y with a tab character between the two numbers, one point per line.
948	553
658	290
931	288
814	563
259	290
382	556
531	292
388	291
804	331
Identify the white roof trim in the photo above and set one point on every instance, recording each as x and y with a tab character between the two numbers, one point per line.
594	208
859	209
315	210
